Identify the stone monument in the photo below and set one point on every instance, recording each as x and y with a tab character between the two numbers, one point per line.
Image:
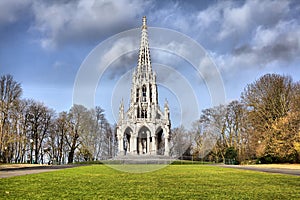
144	129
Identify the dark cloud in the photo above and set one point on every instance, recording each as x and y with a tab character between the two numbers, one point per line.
285	48
281	50
13	10
122	65
244	49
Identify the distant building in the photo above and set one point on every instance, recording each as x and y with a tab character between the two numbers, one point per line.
144	128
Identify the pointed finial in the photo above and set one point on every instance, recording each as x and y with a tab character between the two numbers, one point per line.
121	110
144	22
166	104
167	116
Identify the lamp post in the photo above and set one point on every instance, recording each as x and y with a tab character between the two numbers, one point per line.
31	149
259	142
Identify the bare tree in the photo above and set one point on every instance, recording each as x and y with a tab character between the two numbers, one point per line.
76	119
97	140
39	118
236	128
218	129
180	141
56	138
216	123
10	93
29	130
20	127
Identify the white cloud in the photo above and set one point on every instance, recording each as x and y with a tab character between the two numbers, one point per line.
209	16
269	36
89	21
232	19
224	24
251	35
248	34
236	20
279	44
75	21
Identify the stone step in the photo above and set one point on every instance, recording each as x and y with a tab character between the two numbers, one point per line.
140	159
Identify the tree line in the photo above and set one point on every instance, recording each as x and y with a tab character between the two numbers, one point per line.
31	132
262	126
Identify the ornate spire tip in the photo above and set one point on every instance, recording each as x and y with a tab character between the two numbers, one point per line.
144	21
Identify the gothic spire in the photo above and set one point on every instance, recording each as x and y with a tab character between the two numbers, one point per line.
144	62
137	127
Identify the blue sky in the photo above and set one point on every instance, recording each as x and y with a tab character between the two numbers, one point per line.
43	44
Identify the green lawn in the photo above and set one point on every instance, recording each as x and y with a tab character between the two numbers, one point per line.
172	182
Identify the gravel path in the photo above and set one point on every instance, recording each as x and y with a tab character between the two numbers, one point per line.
269	169
10	171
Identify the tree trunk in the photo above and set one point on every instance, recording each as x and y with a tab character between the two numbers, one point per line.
73	147
71	156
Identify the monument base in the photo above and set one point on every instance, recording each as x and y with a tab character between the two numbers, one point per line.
140	159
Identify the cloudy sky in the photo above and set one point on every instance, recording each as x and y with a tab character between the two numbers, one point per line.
45	44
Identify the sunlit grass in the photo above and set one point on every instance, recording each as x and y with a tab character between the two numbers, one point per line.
172	182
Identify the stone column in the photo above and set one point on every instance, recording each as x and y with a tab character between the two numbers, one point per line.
131	143
148	143
167	150
153	145
121	147
134	150
148	93
135	111
140	146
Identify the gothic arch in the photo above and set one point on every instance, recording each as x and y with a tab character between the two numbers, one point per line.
160	141
143	140
128	130
143	128
127	139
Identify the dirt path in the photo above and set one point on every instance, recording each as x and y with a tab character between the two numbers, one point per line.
272	168
20	170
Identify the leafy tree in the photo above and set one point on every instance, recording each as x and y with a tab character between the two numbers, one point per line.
231	156
269	103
